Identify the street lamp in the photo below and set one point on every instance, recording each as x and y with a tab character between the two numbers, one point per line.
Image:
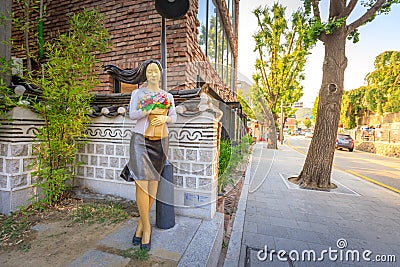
170	9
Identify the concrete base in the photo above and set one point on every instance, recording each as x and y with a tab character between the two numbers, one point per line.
191	242
122	189
205	247
11	200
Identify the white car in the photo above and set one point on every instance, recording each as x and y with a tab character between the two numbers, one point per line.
309	135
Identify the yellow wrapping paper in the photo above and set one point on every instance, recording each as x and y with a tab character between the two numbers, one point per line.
156	132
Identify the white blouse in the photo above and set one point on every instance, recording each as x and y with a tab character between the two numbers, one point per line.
142	120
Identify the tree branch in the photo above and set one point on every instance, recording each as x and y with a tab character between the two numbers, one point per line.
263	74
259	22
349	8
364	18
316	12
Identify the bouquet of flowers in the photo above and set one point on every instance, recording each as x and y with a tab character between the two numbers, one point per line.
157	104
153	101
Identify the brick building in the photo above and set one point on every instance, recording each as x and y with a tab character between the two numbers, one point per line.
202	45
202	49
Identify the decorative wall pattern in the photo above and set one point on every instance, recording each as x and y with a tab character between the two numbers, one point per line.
193	152
16	141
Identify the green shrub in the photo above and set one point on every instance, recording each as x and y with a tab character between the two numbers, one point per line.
70	73
7	101
229	158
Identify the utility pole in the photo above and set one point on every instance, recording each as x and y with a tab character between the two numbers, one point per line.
282	120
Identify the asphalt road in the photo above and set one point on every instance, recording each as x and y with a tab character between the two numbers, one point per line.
381	170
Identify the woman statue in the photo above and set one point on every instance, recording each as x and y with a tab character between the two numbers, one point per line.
153	108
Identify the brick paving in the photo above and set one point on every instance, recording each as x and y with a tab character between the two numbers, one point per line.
356	217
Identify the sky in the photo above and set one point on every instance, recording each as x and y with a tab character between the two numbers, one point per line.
375	37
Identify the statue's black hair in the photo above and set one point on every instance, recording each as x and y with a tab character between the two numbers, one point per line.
131	76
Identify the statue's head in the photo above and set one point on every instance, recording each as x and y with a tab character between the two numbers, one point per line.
153	73
150	71
137	75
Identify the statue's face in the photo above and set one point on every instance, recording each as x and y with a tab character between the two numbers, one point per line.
153	74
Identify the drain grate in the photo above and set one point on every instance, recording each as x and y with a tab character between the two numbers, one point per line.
271	259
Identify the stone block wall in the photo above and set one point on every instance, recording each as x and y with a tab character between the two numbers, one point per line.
194	154
16	141
380	148
104	156
193	151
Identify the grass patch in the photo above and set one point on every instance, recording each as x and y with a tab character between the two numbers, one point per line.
24	247
136	253
101	213
13	229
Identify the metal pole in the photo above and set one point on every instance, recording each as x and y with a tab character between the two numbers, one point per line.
164	54
281	129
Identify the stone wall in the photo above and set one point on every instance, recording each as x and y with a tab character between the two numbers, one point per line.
16	140
194	154
380	148
193	151
104	156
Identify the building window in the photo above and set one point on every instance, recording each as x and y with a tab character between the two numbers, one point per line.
117	85
232	13
213	38
202	16
212	32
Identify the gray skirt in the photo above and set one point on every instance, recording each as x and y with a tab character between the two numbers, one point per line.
146	157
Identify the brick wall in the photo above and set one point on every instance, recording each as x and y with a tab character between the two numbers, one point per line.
135	28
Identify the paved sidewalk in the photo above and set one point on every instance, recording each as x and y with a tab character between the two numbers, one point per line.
356	218
191	242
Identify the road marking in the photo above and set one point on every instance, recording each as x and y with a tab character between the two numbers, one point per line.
290	185
380	162
375	161
373	181
352	172
295	148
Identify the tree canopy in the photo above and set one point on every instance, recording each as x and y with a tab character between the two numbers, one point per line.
382	93
282	48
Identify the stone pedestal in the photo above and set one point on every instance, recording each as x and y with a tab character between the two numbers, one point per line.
194	154
16	139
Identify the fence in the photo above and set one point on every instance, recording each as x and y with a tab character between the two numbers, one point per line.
376	134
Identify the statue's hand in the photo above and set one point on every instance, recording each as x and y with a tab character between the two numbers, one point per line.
145	113
160	120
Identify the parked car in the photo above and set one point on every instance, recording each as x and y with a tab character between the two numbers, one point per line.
309	135
344	141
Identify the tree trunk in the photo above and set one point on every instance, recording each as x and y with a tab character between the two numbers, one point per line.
271	134
317	168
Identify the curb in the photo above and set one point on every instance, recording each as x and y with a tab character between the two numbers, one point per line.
235	242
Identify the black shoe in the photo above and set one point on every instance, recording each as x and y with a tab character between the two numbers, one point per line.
145	246
136	240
